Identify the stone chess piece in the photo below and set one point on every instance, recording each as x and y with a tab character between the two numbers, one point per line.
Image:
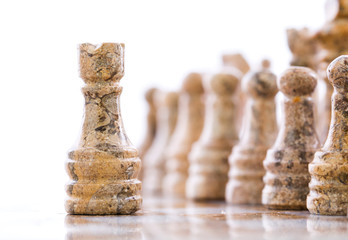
259	132
332	42
286	164
151	127
187	131
303	47
150	121
234	62
155	158
103	168
208	158
329	169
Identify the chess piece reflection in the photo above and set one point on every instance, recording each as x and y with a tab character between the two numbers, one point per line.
259	132
103	227
208	158
329	169
103	168
187	131
286	164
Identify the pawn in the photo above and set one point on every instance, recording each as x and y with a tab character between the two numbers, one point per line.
154	167
286	164
151	126
259	131
329	169
151	122
187	131
208	158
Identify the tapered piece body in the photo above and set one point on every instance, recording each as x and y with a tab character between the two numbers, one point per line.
103	168
259	132
155	158
329	169
332	43
187	131
208	158
286	164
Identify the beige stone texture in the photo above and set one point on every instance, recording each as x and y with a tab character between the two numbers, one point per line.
332	42
155	158
103	168
188	129
208	158
329	169
286	164
303	47
259	132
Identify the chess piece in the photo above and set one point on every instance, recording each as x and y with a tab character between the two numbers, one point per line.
103	168
259	132
329	169
151	122
332	42
286	164
236	61
155	158
208	158
187	131
151	127
303	47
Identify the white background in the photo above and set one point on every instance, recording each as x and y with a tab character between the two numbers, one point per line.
41	103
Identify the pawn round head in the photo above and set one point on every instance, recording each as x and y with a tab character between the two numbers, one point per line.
223	83
193	84
337	73
101	63
150	94
260	84
297	81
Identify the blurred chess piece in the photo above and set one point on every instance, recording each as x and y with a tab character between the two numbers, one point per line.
151	126
286	164
208	158
237	61
303	47
233	62
259	132
329	169
155	158
103	168
332	42
187	131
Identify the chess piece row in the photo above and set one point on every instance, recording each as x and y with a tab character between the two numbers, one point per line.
275	174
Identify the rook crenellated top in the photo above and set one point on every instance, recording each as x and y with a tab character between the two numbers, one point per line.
101	63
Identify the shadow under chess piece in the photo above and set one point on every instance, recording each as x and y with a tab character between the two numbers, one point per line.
329	169
208	158
104	167
187	131
259	132
286	164
155	158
